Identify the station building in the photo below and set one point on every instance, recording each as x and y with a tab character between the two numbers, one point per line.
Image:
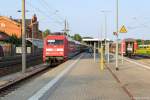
12	26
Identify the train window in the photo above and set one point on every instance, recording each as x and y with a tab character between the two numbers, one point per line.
55	42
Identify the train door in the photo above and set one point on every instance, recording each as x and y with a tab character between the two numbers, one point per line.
135	46
123	47
66	48
129	48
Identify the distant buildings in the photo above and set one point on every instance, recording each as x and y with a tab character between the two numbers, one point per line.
12	26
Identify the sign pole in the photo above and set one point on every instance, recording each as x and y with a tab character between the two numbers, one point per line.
23	38
108	59
94	51
102	59
122	51
122	30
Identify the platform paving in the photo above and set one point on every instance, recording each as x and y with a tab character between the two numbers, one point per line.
134	77
28	88
86	82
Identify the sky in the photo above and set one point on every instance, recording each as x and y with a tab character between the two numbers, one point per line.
86	17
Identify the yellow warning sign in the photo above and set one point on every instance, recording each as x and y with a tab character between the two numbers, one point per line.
123	29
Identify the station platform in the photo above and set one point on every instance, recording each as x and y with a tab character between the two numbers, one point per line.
134	75
84	81
80	78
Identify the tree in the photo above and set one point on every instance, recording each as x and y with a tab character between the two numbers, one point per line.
139	41
14	40
72	37
77	37
147	42
46	33
87	37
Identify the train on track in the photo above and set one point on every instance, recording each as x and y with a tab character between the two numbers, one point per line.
127	47
59	48
130	47
143	50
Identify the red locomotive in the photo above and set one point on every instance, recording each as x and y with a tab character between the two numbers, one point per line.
59	48
126	46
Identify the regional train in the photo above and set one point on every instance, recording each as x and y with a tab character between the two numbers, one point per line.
127	47
60	48
143	50
130	47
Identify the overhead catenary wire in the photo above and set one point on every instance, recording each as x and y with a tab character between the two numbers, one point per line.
44	13
55	13
139	26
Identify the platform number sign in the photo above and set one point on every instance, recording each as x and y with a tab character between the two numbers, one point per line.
114	33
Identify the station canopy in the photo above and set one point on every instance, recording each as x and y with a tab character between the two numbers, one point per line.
36	42
94	40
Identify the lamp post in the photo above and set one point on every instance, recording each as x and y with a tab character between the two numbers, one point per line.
32	38
66	29
105	17
106	45
117	35
33	25
23	38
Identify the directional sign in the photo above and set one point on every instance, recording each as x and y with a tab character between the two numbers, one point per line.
115	33
123	29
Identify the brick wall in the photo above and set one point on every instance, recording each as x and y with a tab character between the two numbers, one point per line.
9	27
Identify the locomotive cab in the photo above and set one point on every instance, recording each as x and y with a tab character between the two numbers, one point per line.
58	48
54	49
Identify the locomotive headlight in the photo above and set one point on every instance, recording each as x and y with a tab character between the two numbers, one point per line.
61	49
50	49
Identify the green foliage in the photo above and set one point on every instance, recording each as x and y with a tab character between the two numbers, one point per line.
87	37
65	33
77	37
72	37
147	42
46	33
13	40
139	42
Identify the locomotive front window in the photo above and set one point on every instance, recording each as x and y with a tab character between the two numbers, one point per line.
55	42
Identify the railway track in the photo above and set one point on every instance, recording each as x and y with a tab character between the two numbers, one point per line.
5	62
30	74
13	64
139	57
13	84
35	72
